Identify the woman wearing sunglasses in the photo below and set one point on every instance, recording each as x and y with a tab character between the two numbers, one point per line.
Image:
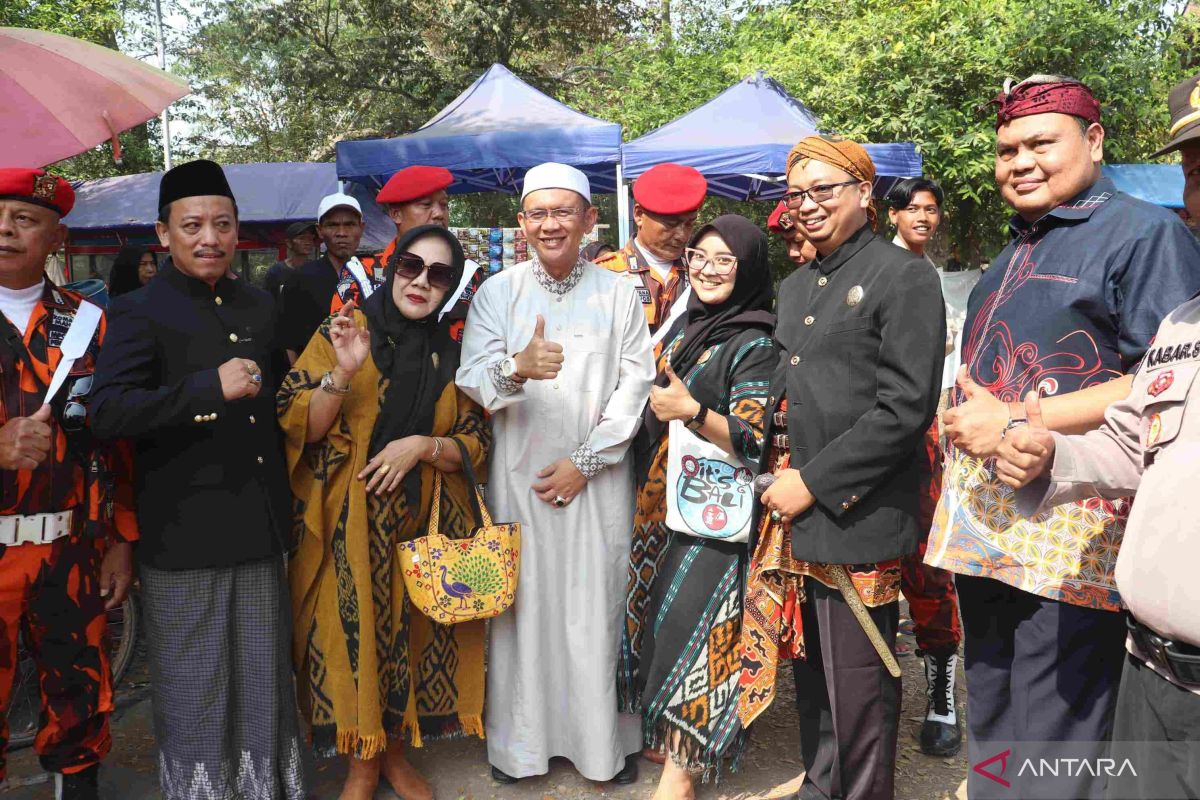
369	411
683	618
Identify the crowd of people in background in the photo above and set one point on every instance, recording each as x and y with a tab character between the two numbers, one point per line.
272	455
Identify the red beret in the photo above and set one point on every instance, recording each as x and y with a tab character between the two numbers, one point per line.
38	187
670	189
411	183
775	221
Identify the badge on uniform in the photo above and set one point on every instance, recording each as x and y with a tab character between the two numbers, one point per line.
643	294
854	296
1161	383
1155	430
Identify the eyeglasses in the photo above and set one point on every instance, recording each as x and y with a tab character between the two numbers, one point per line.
821	193
74	412
539	215
410	266
697	260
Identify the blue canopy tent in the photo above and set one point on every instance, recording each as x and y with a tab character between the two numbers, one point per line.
488	137
1161	184
740	140
270	194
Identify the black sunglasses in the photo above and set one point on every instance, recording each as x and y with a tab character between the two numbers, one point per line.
75	412
410	266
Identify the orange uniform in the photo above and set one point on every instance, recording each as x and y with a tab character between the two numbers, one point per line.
656	296
53	589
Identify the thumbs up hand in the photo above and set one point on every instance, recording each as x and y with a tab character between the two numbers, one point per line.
541	359
673	401
975	425
1027	451
26	442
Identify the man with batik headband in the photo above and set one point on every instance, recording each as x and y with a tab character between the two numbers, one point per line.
1066	311
666	203
558	351
413	197
862	336
66	513
189	373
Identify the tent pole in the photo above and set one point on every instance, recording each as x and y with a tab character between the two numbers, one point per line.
622	208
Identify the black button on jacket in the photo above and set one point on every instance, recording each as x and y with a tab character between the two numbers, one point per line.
861	367
210	479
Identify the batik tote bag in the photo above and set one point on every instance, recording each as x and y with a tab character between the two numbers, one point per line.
709	492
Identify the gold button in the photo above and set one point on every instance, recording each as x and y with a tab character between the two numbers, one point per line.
259	459
821	281
853	498
809	320
771	400
795	360
251	419
198	418
233	338
217	301
845	506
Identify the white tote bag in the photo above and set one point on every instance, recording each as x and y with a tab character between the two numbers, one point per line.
709	492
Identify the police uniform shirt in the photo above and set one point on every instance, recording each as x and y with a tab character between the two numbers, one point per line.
210	481
862	336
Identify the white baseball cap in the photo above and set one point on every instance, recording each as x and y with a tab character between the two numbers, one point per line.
337	200
553	175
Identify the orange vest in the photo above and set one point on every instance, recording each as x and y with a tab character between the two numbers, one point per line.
655	295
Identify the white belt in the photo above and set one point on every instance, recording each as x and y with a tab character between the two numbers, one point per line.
34	528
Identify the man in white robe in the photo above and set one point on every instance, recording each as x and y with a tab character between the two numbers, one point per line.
558	351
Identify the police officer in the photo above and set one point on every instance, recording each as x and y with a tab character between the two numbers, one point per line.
189	373
666	203
1149	444
66	516
862	332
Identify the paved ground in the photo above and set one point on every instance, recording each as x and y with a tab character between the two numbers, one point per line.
458	769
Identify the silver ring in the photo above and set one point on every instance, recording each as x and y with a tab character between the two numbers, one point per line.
775	517
560	501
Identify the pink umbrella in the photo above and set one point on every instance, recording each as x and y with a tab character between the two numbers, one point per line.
61	96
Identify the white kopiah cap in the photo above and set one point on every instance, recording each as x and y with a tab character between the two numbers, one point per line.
552	175
331	201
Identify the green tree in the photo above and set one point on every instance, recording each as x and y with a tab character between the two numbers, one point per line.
924	71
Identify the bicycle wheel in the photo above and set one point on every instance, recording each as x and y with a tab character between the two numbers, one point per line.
25	707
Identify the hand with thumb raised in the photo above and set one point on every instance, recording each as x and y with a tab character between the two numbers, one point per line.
976	423
673	401
966	383
541	359
1027	450
25	442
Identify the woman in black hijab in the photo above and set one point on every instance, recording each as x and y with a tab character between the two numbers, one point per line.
369	412
684	605
133	268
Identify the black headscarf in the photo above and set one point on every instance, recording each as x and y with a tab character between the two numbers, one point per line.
418	357
124	275
748	306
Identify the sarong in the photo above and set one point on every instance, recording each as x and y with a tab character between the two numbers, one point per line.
224	701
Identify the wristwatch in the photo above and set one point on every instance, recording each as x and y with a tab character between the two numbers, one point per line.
508	368
329	385
695	422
